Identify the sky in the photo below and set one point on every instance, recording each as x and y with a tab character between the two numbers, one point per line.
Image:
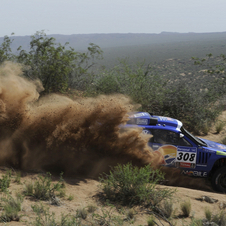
25	17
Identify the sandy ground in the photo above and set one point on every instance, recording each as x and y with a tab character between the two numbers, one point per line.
84	192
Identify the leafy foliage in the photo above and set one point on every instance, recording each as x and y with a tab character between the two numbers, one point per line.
5	181
43	188
45	217
5	50
58	66
186	208
161	95
11	207
49	62
130	185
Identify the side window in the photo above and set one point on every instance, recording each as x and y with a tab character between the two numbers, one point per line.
168	137
165	137
184	142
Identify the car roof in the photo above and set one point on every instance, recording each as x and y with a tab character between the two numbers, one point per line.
145	119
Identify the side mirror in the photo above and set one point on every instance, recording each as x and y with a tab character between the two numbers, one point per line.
181	135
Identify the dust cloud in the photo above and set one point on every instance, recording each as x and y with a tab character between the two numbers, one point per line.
79	137
56	133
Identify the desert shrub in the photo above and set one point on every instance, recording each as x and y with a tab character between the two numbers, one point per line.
5	181
91	208
196	222
136	80
107	84
151	221
219	126
223	140
45	217
106	217
130	214
130	185
194	109
43	188
70	197
186	208
62	193
162	95
208	214
219	218
81	213
168	208
11	207
18	177
38	209
28	189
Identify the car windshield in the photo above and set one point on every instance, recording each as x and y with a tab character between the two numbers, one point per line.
196	140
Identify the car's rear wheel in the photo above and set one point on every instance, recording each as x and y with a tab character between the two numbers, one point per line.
218	179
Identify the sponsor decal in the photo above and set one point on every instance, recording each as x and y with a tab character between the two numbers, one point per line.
183	157
220	153
161	118
195	173
142	121
187	155
185	164
168	154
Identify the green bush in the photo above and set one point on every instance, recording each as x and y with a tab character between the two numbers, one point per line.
151	221
46	218
219	126
11	207
186	208
43	188
106	217
194	109
162	95
223	141
18	177
219	218
5	181
107	84
168	208
91	208
81	213
208	214
130	185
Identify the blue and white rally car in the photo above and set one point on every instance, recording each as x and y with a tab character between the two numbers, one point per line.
179	148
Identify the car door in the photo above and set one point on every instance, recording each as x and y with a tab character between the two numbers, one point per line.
176	151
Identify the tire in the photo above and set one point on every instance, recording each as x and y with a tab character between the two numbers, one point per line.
218	179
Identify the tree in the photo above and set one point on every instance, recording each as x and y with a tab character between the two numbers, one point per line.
54	64
5	50
48	61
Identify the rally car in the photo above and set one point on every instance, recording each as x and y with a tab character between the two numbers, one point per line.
179	148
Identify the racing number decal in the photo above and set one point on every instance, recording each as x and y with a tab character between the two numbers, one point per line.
186	156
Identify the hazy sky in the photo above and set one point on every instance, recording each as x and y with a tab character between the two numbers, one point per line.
25	17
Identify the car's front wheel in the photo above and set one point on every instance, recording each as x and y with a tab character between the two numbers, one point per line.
218	179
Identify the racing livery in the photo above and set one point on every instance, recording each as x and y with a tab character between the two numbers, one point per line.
179	148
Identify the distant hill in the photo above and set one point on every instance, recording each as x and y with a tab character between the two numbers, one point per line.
138	47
